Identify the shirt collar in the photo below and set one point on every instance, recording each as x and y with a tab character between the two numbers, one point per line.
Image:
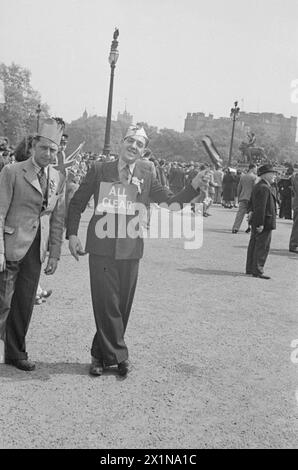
122	164
37	168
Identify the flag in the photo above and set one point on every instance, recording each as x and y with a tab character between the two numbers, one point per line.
2	95
74	154
65	162
212	152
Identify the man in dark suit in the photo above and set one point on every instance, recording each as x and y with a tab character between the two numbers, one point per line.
263	221
114	259
293	246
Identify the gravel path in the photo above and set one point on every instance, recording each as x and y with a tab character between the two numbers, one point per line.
210	350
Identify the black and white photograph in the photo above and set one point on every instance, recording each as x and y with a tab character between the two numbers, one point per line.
148	227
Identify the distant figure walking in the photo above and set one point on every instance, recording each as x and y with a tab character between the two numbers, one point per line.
244	190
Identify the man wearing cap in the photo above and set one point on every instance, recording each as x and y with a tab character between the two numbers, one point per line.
263	221
31	222
114	261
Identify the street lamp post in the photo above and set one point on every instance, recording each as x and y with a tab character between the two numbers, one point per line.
233	115
38	111
113	57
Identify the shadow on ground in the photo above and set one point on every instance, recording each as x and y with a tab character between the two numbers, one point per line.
211	272
282	252
217	230
45	370
275	251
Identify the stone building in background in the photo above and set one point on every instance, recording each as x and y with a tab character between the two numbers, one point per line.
125	118
276	126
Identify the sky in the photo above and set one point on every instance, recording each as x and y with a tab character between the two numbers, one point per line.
175	56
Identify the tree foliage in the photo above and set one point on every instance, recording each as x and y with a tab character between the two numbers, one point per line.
18	114
18	118
91	130
165	143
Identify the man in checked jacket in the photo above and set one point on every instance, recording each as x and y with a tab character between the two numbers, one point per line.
31	223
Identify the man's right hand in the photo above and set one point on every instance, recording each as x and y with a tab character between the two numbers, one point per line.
2	262
75	247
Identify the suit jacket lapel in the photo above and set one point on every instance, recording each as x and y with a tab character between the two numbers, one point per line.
53	182
110	171
138	170
31	176
271	189
141	173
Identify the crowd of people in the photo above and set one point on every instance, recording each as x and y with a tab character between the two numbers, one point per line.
230	187
219	185
43	192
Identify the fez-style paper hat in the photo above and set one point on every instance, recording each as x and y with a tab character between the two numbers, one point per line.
52	129
136	129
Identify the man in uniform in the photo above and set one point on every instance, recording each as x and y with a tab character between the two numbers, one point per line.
114	261
31	222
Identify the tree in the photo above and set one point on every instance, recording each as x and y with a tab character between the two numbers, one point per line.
171	145
18	113
92	130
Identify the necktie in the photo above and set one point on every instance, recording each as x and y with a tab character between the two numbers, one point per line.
43	184
42	181
125	175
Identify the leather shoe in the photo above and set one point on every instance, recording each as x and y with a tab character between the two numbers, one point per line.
234	231
123	368
248	230
294	250
46	293
96	367
22	364
261	276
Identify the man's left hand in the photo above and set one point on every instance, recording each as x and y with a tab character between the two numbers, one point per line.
51	266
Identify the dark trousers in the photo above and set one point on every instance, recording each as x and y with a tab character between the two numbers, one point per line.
18	285
294	233
113	284
285	210
257	252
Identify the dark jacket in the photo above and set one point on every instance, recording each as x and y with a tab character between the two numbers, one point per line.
151	190
228	187
176	178
263	206
161	176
